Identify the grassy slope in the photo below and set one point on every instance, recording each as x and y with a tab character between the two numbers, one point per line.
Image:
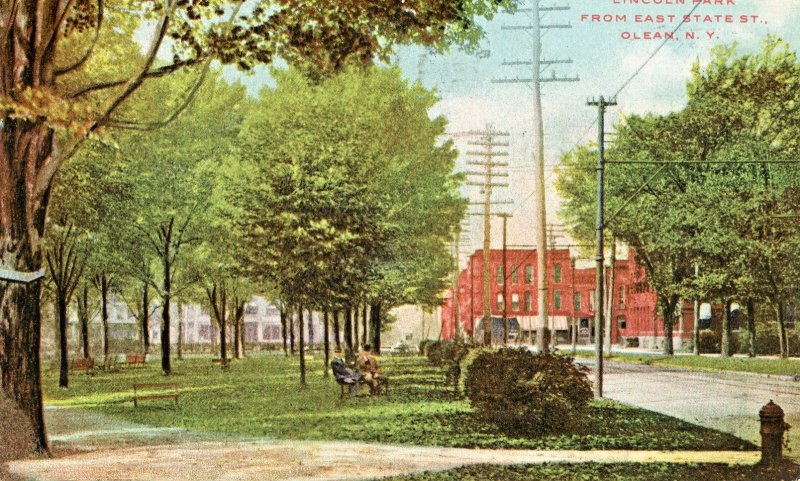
260	396
777	367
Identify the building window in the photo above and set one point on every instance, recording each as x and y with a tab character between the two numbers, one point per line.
251	309
515	302
501	275
557	273
500	305
576	301
514	275
557	300
621	322
529	274
528	301
622	297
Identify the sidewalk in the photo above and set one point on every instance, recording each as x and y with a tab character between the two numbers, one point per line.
305	461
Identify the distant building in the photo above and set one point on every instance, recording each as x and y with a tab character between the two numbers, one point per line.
262	327
571	300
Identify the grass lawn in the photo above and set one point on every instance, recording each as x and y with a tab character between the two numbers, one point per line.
261	396
778	367
610	472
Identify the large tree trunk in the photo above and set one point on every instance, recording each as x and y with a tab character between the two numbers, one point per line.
310	329
63	378
218	298
336	331
238	323
751	328
145	318
179	347
326	340
668	312
302	346
375	321
83	319
356	339
782	338
20	333
291	330
726	330
103	284
284	333
348	333
364	325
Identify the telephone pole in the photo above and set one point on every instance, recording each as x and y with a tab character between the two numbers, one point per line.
505	277
538	67
599	275
487	141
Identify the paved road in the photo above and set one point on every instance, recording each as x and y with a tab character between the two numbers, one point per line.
721	400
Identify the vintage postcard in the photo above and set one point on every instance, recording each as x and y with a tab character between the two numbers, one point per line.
402	240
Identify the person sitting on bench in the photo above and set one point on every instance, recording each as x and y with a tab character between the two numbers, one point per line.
343	374
368	366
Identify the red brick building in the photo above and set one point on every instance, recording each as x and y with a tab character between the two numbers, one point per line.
571	299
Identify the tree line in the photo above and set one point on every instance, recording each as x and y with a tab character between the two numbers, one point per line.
707	196
71	75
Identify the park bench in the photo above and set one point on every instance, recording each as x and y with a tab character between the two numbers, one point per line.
135	360
163	390
383	386
83	364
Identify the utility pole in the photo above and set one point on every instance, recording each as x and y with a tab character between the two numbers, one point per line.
505	277
599	275
537	65
487	141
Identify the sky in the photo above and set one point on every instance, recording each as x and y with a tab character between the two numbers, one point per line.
609	48
605	55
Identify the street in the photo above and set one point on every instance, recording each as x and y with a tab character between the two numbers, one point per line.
726	401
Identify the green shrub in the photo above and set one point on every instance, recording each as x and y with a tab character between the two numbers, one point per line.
423	346
448	356
710	342
526	393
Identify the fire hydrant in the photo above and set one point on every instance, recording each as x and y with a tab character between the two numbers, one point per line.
772	429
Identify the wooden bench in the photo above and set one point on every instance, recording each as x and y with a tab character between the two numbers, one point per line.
383	386
135	360
83	364
225	363
166	390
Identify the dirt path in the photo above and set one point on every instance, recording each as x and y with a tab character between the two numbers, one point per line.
301	461
89	446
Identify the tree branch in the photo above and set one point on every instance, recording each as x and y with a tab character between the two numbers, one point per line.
154	73
88	53
145	126
50	167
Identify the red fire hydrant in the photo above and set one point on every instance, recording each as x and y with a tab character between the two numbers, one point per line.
772	429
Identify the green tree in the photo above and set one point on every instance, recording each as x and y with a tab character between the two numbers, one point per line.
708	202
48	114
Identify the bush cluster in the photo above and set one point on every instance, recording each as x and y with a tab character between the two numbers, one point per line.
448	355
423	346
766	342
526	393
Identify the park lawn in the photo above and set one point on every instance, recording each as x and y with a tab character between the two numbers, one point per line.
772	366
260	396
610	472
